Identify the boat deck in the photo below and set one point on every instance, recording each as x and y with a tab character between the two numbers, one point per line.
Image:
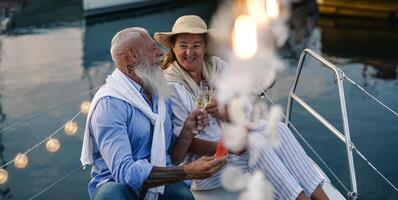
221	194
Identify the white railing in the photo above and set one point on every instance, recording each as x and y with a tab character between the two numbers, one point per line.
339	76
345	138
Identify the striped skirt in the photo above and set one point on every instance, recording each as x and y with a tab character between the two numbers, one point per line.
287	167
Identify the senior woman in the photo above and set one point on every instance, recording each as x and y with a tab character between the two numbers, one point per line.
287	167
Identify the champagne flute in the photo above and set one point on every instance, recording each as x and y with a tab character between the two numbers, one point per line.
212	94
203	96
201	100
209	93
212	97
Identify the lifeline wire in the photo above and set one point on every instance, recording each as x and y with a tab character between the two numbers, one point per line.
309	145
356	150
371	96
374	168
56	182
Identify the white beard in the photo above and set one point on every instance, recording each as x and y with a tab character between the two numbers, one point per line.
153	79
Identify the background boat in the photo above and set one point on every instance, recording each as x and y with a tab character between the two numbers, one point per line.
94	8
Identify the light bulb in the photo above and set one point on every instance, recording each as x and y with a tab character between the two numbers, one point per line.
53	145
3	176
21	160
71	128
272	8
256	9
245	37
85	107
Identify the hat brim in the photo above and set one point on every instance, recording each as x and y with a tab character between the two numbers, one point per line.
164	37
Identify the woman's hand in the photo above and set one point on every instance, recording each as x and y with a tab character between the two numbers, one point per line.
214	111
195	119
187	134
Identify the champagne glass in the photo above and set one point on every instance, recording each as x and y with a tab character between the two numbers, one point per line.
212	97
212	94
201	99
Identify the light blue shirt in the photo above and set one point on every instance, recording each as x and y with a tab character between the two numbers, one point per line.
122	140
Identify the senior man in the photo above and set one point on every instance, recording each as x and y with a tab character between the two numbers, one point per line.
128	132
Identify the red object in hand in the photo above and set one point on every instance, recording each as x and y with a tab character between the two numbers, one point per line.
221	150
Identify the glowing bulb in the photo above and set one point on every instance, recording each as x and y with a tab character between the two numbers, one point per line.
245	37
85	107
21	160
70	128
256	10
53	145
272	8
3	176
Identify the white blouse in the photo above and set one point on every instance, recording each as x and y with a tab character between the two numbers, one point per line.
183	103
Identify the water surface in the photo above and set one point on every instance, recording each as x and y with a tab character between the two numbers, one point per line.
49	58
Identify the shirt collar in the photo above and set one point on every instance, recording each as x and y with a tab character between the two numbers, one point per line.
136	85
141	90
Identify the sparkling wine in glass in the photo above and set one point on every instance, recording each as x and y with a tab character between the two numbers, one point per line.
212	94
201	101
202	98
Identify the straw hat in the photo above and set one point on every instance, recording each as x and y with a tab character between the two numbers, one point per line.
186	24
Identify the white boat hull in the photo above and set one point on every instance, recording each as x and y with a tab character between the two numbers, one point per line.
99	7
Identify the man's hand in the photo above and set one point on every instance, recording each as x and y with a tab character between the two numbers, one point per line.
199	169
213	110
204	167
195	119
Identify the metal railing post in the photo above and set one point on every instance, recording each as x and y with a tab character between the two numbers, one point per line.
353	194
349	146
293	89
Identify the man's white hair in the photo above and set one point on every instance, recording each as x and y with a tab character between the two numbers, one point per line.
123	38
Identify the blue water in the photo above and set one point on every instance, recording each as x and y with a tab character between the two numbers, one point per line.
48	59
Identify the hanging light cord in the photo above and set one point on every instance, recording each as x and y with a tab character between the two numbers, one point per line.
17	124
41	142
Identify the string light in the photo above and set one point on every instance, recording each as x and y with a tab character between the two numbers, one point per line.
85	107
3	176
53	145
71	128
245	37
21	160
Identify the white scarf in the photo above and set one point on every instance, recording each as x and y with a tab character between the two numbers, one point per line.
211	69
119	86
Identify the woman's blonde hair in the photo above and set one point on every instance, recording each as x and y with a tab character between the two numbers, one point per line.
169	57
